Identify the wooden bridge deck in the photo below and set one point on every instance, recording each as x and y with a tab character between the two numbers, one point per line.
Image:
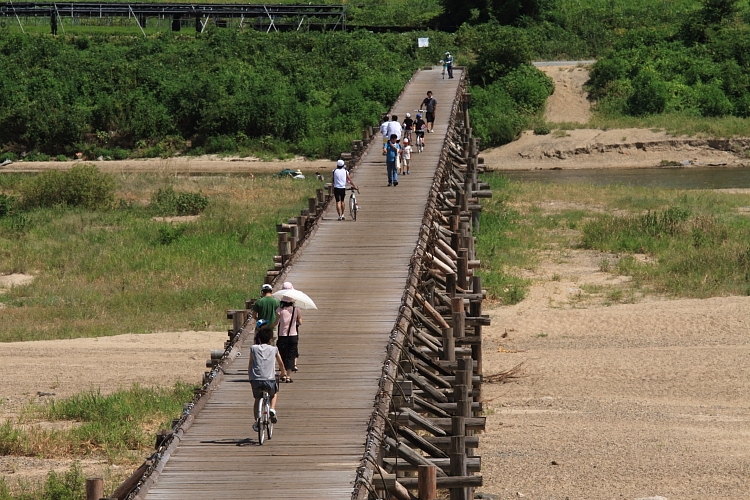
356	273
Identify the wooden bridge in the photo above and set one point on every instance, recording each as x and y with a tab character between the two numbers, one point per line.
395	346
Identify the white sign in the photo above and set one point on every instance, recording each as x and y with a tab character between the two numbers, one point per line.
423	42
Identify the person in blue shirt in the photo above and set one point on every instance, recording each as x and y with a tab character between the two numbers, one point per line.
392	149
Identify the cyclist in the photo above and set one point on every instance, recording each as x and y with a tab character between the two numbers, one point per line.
408	127
419	128
340	178
262	369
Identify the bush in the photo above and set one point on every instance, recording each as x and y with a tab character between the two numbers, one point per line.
167	202
541	130
7	205
83	185
713	101
649	94
61	158
168	234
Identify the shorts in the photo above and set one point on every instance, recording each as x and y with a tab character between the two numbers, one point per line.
339	194
270	386
430	117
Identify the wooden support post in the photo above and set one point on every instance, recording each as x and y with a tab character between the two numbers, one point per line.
465	195
463	268
449	345
293	237
455	221
450	284
427	485
284	247
238	319
476	311
465	152
321	196
458	455
458	314
312	204
94	488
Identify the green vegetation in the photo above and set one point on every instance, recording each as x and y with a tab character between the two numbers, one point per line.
70	485
223	91
695	242
118	426
116	270
83	186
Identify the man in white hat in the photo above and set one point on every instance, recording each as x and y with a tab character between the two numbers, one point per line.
340	178
449	64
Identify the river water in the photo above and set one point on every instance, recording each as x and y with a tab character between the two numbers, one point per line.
671	178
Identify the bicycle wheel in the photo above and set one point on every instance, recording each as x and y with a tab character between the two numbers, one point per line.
352	207
262	420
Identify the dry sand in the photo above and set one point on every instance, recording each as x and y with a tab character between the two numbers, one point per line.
624	400
35	372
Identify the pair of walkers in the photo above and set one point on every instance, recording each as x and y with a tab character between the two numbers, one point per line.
263	355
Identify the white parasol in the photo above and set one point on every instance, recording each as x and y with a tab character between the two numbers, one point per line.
300	299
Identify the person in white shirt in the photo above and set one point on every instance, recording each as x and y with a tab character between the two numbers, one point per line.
384	130
394	127
340	178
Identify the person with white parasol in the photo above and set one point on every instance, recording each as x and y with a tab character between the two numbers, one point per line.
288	319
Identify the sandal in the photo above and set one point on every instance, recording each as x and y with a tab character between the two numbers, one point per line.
295	368
284	379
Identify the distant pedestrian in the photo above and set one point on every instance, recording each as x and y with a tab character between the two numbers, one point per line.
384	129
288	318
392	150
265	307
429	104
449	64
340	178
405	156
394	127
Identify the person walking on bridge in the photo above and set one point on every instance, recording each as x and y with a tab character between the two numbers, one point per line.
391	150
340	178
449	64
430	105
265	307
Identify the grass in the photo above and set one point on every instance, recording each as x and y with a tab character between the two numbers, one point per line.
119	426
698	243
677	124
118	271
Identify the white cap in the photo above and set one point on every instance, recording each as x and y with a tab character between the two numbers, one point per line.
408	115
447	53
340	163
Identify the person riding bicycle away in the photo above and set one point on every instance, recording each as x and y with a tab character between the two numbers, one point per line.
419	128
288	319
384	129
406	156
340	178
408	127
265	307
392	150
262	368
449	64
430	104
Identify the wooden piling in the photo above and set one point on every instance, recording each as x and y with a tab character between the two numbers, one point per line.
427	486
94	488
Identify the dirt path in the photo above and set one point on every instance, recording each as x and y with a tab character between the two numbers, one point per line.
184	164
616	400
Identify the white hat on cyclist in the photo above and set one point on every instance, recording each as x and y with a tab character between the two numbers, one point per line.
447	53
406	141
340	163
408	115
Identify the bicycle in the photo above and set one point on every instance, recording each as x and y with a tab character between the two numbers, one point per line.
353	207
264	422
